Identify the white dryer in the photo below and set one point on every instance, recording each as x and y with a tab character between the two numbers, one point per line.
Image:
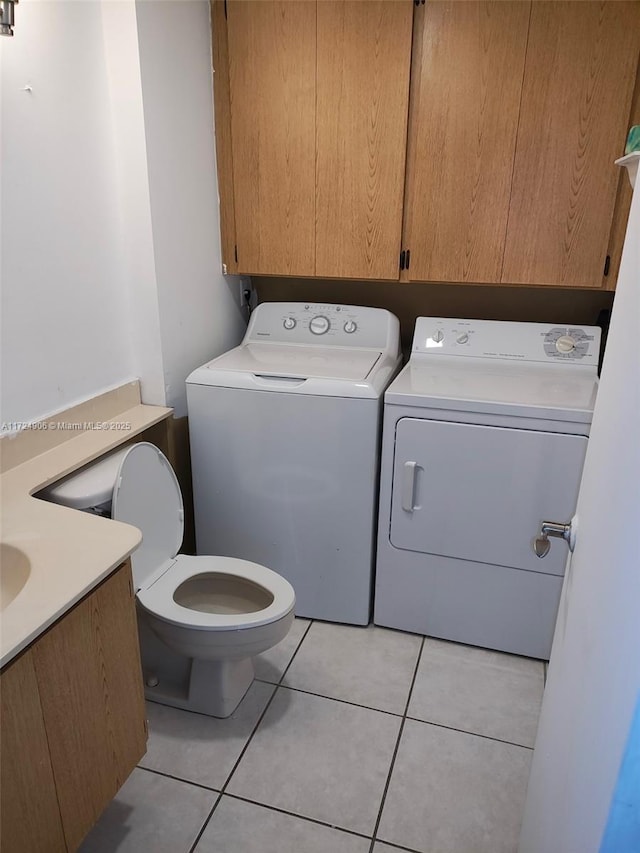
485	432
285	441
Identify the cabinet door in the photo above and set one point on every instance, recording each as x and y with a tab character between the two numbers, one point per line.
622	206
363	63
90	683
578	82
272	79
465	97
28	804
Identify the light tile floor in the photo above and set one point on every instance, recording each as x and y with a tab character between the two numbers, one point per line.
351	740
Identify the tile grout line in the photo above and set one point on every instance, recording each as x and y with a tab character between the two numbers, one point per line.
467	732
302	639
245	747
395	846
305	818
395	714
337	699
259	804
178	779
395	751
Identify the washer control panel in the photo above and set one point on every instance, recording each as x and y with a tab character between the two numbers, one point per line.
528	342
320	323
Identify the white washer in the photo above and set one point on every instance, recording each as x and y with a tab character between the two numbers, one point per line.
485	432
285	440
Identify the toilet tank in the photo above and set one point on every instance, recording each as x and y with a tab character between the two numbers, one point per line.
89	489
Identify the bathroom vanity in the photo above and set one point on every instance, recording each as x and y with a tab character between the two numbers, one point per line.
72	707
73	721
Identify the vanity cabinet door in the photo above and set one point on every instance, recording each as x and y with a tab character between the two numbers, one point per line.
90	683
28	803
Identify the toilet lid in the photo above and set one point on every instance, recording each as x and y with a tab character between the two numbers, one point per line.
147	495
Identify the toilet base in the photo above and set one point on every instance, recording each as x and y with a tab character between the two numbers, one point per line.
215	688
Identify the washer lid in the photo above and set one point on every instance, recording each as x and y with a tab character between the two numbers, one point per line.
147	495
523	390
298	362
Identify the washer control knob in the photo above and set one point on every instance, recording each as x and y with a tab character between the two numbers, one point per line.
463	338
565	344
319	325
438	336
289	323
350	327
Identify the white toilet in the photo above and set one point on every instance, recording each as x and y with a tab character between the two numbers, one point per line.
201	619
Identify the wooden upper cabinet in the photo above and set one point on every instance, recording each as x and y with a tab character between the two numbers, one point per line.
222	124
509	113
578	83
622	206
363	64
465	100
272	83
317	105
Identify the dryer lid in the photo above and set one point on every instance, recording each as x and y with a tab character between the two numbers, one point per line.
147	495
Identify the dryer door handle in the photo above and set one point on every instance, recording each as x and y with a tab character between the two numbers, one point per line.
409	485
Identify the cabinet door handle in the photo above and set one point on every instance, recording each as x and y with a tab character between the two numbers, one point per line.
408	485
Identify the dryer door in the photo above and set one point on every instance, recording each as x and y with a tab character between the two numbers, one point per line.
480	492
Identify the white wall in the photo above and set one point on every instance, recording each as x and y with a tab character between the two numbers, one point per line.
110	237
135	230
199	312
65	334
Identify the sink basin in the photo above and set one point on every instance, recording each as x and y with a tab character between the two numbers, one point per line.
14	573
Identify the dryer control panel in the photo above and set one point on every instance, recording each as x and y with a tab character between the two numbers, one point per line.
325	324
526	342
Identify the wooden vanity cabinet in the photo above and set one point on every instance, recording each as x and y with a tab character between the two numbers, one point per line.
29	815
73	721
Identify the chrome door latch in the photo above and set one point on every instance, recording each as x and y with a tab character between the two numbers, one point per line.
541	544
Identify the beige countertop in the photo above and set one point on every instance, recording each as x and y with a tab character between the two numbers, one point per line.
69	551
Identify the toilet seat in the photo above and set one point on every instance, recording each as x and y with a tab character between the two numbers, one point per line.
147	495
158	598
